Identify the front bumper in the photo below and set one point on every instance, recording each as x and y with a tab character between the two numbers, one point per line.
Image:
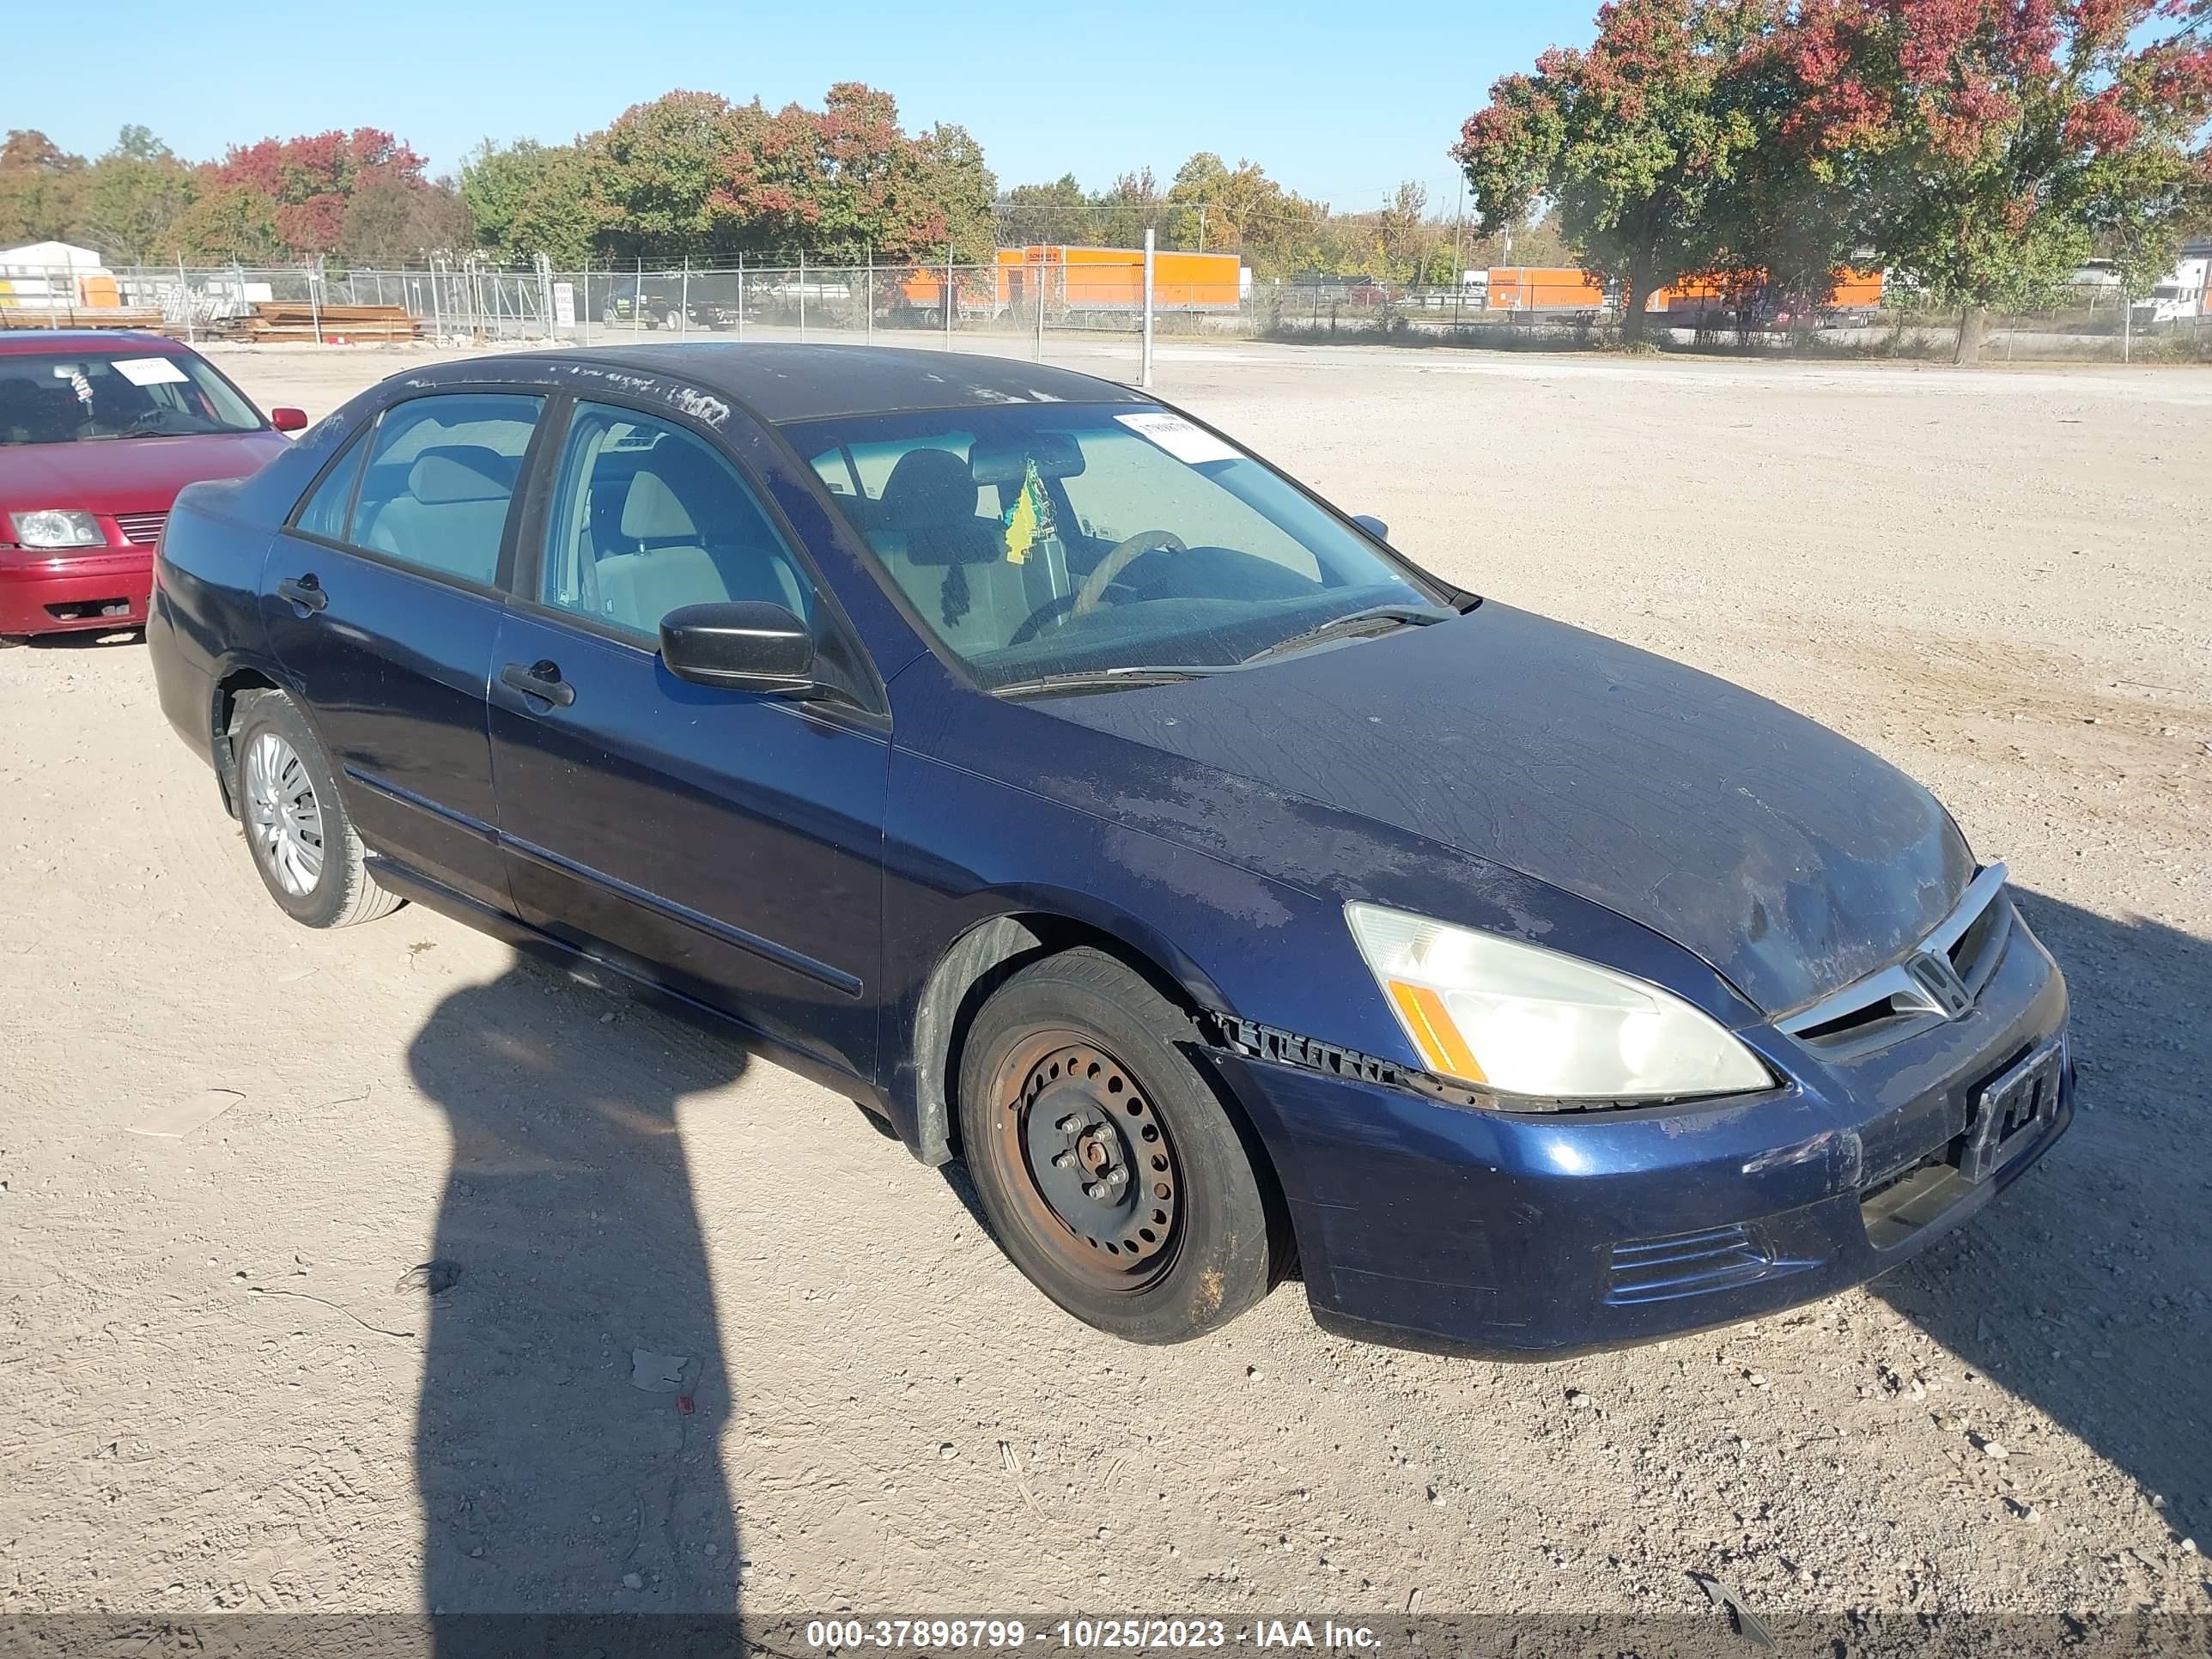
104	589
1425	1224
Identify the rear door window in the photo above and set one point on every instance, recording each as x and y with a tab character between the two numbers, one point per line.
440	476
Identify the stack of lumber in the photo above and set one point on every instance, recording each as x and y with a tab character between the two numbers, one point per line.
273	321
34	314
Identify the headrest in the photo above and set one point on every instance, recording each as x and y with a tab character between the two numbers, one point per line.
1004	461
928	487
651	511
462	473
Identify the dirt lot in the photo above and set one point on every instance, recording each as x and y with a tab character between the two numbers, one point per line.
216	1392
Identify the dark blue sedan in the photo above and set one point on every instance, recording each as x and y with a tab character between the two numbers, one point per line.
1030	762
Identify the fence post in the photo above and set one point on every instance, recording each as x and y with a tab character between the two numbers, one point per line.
802	294
949	300
1145	362
1036	281
683	302
54	299
437	306
871	297
741	294
315	304
2127	328
185	299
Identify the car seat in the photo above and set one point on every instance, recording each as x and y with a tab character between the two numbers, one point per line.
950	561
678	562
453	513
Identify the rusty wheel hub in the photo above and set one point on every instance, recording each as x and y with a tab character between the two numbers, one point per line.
1088	1158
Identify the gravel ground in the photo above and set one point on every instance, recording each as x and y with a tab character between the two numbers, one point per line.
217	1392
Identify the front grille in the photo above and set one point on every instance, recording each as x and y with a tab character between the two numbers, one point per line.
1686	1264
144	529
1891	1003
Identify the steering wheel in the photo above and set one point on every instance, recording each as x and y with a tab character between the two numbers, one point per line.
1085	599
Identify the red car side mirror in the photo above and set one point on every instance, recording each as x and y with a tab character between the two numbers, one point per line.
289	420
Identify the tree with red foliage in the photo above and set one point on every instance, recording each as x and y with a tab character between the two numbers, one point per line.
1629	140
1993	145
313	179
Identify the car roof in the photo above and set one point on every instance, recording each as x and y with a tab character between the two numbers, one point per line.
13	340
783	383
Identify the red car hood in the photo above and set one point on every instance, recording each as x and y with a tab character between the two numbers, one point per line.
125	474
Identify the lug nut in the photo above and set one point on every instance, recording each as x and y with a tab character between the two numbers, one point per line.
1117	1176
1070	1124
1097	1189
1062	1160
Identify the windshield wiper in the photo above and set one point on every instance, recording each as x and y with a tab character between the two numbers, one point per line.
1094	679
1355	622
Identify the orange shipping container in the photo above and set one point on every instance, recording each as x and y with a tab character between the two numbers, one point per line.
1542	288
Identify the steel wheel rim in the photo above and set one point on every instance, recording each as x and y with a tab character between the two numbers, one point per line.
282	815
1060	1095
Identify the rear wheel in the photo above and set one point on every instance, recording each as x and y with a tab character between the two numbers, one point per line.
671	319
304	846
1113	1175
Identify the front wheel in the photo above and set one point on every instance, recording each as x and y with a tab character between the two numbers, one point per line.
304	846
1113	1175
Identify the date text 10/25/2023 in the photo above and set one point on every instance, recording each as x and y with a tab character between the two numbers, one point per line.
1087	1635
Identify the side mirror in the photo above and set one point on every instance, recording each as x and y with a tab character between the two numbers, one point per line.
289	420
1373	526
746	644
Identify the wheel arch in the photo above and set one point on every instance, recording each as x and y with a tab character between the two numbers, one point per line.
983	957
234	683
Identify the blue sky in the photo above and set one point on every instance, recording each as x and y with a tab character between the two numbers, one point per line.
1338	101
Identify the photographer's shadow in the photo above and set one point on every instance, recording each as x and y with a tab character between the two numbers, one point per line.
567	1464
2084	1290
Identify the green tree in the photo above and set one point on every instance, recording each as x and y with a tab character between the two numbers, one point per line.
1054	214
1627	139
40	188
132	198
661	176
230	223
529	199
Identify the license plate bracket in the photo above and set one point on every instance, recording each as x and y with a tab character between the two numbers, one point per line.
2011	1111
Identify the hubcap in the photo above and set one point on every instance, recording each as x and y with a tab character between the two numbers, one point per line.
1088	1158
282	815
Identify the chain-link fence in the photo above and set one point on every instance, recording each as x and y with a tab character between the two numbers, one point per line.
2091	322
1035	295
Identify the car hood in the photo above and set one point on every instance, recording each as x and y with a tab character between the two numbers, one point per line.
126	475
1789	858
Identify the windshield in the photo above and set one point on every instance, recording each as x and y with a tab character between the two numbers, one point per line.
61	398
1055	538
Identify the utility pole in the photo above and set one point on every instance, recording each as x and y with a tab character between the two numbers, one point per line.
1145	362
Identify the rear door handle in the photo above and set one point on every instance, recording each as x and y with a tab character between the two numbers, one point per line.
305	592
541	679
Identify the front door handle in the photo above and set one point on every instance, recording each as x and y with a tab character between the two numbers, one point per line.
541	679
304	590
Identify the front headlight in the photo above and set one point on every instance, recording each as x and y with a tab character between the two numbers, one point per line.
57	526
1523	1020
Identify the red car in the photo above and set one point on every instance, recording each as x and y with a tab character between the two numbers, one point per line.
98	431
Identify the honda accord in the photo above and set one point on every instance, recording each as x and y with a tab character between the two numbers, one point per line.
1031	762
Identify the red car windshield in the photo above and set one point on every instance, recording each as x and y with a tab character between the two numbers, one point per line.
68	397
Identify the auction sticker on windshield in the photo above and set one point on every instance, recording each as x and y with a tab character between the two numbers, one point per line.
149	371
1188	444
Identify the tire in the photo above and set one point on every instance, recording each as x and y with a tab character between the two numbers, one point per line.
672	320
1182	1244
10	642
316	870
